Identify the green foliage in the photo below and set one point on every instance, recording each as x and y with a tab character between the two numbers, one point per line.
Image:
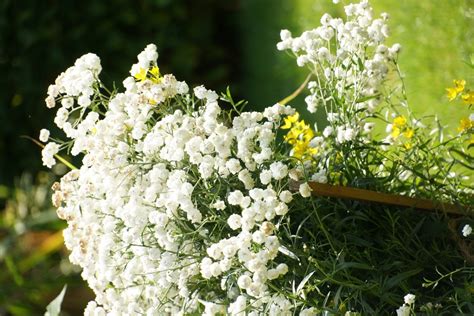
365	257
33	262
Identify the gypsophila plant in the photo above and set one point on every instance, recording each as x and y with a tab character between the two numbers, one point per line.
181	207
357	85
175	206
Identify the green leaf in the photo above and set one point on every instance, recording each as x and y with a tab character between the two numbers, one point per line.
397	279
12	268
54	308
288	253
303	283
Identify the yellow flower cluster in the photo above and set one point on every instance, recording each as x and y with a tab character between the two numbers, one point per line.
400	127
466	124
467	96
152	74
299	136
459	88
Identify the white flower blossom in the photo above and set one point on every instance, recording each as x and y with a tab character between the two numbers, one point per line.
48	153
305	190
466	230
44	135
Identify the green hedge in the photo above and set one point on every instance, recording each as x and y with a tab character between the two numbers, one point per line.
40	39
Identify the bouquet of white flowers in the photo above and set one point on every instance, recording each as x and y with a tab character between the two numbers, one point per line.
181	207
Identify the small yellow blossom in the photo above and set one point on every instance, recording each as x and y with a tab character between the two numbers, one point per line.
459	85
468	98
155	74
299	149
465	124
152	74
395	132
409	132
294	133
308	134
397	126
454	91
399	121
302	149
451	93
141	75
155	71
289	120
299	136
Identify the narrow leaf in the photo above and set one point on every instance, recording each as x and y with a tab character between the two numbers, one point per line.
54	308
288	253
303	282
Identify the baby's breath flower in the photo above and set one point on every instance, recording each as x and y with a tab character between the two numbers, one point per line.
305	190
44	135
466	230
181	207
48	153
409	299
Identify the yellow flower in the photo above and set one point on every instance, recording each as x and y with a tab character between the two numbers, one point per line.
155	74
409	132
312	150
458	88
459	85
395	132
291	137
399	121
451	93
289	120
299	149
408	145
468	97
299	136
465	124
298	129
155	71
141	75
308	134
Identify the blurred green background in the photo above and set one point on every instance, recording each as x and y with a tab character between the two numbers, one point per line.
211	42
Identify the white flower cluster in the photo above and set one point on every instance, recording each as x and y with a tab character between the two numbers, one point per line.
349	57
174	209
77	81
350	62
74	89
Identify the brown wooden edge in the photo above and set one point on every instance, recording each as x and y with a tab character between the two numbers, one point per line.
322	189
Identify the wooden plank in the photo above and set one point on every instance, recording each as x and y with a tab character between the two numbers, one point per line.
322	189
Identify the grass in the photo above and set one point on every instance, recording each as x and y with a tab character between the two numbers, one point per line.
436	37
